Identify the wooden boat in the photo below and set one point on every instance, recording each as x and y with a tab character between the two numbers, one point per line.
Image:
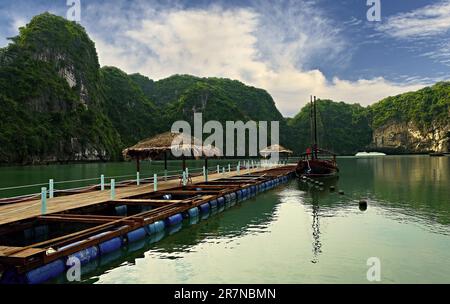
316	162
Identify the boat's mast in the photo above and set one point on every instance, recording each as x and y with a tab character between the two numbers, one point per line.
315	128
311	122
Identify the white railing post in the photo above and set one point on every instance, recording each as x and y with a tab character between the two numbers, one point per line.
155	182
102	182
138	178
43	200
51	188
113	189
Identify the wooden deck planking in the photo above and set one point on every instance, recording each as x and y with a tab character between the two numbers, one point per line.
20	211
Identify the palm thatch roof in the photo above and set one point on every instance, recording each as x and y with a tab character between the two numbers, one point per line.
170	141
275	149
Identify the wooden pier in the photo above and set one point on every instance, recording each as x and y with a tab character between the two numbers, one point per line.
73	223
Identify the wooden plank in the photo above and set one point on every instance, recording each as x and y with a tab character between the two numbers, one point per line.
65	219
145	201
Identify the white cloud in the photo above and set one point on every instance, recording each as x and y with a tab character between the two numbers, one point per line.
267	46
427	21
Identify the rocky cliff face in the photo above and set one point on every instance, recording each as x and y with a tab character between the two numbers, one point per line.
416	122
51	96
407	137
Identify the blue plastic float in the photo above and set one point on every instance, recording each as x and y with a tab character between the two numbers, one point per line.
173	220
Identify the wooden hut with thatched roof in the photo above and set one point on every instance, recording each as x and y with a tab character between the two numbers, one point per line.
164	143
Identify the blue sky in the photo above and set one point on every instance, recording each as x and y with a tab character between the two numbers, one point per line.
291	48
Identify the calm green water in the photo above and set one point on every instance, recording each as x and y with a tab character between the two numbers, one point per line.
295	234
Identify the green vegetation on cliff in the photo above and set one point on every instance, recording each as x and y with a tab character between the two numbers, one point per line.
425	108
50	97
132	114
342	128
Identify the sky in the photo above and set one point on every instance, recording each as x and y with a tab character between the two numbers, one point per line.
291	48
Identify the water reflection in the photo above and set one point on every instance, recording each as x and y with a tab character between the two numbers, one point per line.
316	233
239	219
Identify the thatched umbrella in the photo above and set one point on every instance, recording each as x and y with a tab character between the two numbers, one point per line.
169	141
275	149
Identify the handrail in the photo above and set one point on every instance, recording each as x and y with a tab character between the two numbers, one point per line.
143	177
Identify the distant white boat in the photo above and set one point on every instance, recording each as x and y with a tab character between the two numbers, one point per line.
369	154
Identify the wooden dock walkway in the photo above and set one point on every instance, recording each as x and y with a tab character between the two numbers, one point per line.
92	224
20	211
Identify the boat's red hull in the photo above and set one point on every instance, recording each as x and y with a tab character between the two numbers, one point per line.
317	168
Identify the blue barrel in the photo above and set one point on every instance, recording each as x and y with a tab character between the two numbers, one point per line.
221	201
204	208
198	189
46	272
121	210
155	227
135	246
174	229
194	220
136	235
173	220
214	211
110	245
86	255
239	195
108	258
221	209
213	204
193	212
205	215
227	198
233	196
167	196
244	194
157	237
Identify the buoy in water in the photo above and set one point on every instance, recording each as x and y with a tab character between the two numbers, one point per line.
362	205
341	192
332	188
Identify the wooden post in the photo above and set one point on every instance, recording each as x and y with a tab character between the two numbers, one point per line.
165	160
206	169
138	164
165	165
113	189
102	182
43	200
51	188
